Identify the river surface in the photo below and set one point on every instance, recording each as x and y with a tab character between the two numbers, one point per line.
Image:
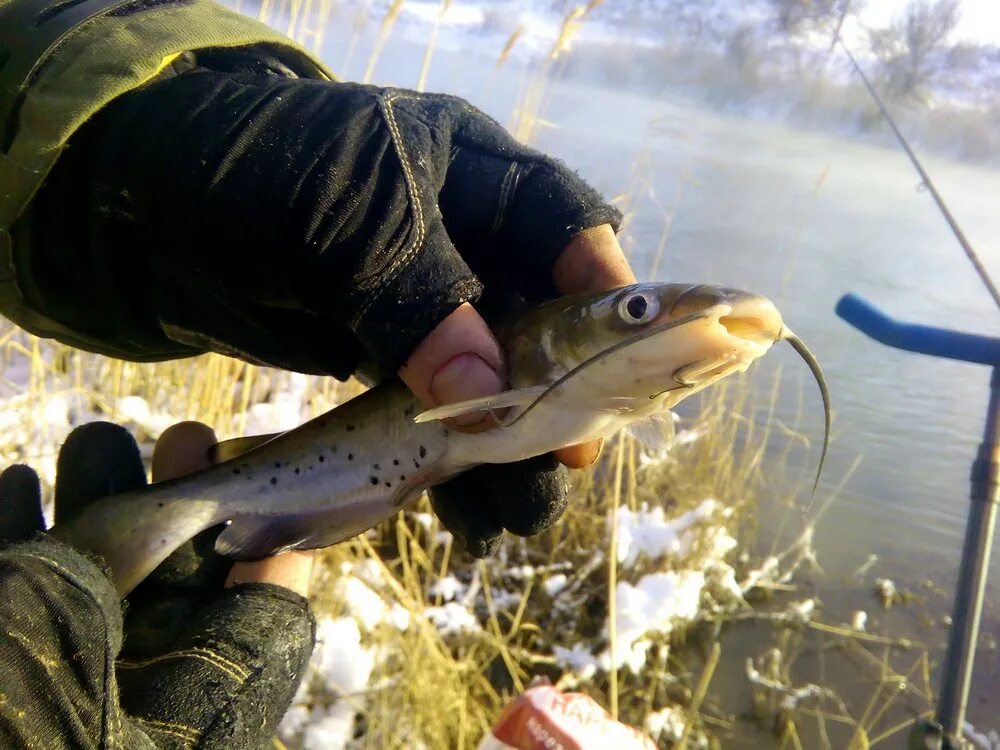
803	218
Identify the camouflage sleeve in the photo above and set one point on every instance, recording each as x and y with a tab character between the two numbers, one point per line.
62	629
221	679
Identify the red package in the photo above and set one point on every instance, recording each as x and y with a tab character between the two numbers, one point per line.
543	718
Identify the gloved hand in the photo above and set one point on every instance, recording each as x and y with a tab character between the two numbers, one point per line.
326	228
199	665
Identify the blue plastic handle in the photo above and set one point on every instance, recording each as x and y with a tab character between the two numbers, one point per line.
937	342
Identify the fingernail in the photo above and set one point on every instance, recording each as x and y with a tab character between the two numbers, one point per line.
588	453
462	378
597	451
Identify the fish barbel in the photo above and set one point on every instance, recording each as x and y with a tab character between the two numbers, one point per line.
580	368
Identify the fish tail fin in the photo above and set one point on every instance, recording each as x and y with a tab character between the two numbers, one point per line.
136	531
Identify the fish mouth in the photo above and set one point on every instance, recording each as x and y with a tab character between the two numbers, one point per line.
750	318
753	324
752	328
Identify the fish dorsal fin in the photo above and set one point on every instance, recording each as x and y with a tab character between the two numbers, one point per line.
656	431
520	397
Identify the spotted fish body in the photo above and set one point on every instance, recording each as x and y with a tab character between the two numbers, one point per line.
581	368
328	480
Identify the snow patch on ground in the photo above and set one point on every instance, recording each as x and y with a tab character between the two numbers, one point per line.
652	606
284	410
666	724
448	588
453	618
554	584
340	669
322	716
649	533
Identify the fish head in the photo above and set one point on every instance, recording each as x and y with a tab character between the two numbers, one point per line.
684	337
644	341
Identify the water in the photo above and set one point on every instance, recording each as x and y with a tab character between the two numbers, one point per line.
804	218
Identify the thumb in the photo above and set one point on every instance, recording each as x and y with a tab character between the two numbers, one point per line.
459	360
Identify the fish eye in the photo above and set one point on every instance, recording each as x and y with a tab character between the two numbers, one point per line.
638	307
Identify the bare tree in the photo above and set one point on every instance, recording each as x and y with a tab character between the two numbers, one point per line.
912	49
798	16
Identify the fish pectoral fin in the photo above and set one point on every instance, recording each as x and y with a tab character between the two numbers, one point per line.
656	432
523	397
257	537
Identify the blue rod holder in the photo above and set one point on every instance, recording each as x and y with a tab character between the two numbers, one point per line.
956	676
912	337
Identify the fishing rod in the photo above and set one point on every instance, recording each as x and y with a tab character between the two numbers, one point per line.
946	731
970	252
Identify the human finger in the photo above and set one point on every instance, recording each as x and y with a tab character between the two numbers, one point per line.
459	360
292	570
97	459
20	504
592	261
182	449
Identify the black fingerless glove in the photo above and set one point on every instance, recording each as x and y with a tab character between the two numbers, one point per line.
304	224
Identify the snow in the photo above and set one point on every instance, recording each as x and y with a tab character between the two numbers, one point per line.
504	599
343	666
56	411
296	718
859	619
424	520
886	591
452	618
554	584
660	601
652	606
368	571
339	656
981	740
329	730
649	533
284	411
367	606
667	723
761	574
578	658
801	611
448	588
